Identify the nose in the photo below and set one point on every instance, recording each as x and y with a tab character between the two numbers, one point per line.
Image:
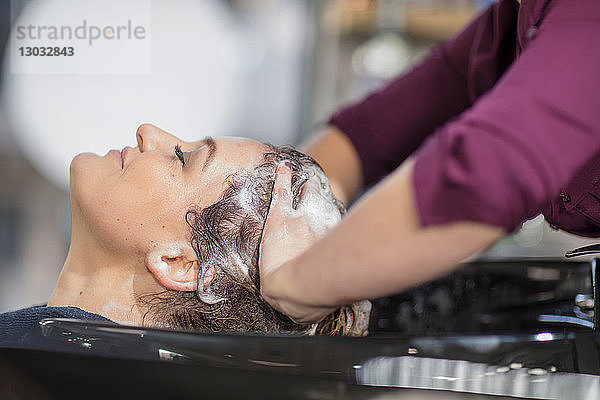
150	137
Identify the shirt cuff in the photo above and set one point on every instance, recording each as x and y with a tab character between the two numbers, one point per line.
448	189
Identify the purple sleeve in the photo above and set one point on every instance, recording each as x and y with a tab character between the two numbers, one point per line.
514	150
390	124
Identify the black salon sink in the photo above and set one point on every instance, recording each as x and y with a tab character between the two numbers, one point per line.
491	297
491	329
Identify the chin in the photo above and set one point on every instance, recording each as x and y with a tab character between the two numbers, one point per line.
78	166
83	169
81	160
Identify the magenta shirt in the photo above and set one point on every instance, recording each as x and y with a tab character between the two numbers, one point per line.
504	119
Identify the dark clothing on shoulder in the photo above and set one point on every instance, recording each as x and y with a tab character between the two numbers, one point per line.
22	327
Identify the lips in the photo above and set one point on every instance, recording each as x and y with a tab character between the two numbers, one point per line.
116	154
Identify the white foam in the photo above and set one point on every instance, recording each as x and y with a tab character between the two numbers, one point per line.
240	264
114	310
170	251
210	298
205	294
113	306
316	205
245	198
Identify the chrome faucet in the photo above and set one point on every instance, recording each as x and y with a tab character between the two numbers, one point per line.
587	302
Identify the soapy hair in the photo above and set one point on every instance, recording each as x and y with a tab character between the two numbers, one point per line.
227	236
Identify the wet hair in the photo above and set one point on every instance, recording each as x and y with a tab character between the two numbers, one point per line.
226	236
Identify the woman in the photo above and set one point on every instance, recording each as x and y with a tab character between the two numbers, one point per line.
506	121
167	234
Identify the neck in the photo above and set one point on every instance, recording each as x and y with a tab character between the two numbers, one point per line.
96	281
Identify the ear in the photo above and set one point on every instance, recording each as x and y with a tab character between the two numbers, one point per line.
175	265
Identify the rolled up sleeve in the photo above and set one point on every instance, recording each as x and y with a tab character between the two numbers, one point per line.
500	161
390	124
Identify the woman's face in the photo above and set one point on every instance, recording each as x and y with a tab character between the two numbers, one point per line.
136	199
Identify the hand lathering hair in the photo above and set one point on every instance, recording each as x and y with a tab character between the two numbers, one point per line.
226	238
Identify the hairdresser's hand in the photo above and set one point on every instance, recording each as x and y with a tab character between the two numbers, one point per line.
286	235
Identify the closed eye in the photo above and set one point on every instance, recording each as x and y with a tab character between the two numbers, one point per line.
185	156
179	154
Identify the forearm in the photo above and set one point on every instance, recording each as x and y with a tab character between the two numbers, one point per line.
337	156
377	250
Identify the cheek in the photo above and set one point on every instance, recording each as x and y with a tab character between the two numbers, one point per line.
145	190
138	209
135	226
142	217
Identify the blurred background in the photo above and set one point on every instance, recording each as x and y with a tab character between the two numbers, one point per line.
273	70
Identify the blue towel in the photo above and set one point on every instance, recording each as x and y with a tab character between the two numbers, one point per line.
22	327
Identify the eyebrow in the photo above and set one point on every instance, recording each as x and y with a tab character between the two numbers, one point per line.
212	149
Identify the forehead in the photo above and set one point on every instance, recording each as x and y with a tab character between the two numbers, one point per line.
231	156
232	143
236	154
